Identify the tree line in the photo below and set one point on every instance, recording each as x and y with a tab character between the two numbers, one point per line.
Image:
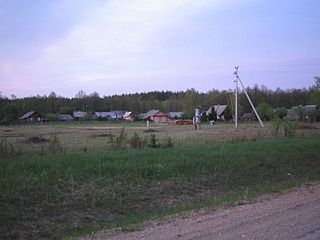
166	101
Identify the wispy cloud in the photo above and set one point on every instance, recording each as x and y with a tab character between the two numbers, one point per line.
115	42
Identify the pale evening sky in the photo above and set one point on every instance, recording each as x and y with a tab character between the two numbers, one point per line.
126	46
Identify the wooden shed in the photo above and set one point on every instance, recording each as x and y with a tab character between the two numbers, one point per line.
32	116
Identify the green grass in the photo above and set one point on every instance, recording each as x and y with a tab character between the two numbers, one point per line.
54	196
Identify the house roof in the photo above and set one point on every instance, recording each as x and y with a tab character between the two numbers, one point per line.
27	115
65	117
127	114
309	107
175	114
160	114
105	114
219	109
119	113
148	114
79	114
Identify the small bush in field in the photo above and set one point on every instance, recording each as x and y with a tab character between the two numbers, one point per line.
289	128
118	142
136	141
276	125
153	142
285	127
168	143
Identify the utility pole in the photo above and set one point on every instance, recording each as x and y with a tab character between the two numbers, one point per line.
236	97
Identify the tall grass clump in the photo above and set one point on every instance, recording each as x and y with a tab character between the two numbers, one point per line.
283	127
136	141
118	142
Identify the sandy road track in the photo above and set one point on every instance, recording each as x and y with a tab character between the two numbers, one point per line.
294	214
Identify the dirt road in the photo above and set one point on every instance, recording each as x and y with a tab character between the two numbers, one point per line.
294	214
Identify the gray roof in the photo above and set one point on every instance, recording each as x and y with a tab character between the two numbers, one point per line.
65	117
27	115
127	114
148	114
291	113
119	114
79	114
175	114
105	115
219	109
309	108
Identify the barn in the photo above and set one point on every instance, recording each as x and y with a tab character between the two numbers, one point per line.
32	116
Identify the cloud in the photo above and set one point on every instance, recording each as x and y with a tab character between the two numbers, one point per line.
116	41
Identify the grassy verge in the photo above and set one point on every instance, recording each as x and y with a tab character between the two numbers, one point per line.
77	193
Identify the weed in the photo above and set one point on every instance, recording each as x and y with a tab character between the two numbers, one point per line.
6	148
153	142
285	127
54	146
168	143
119	141
136	141
289	128
276	125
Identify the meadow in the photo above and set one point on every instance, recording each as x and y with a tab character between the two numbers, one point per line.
70	179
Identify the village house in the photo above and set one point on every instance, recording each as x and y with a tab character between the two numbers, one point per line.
219	110
79	115
107	116
175	115
128	116
119	114
32	116
155	116
65	117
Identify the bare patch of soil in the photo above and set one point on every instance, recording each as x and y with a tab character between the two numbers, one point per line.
293	214
36	140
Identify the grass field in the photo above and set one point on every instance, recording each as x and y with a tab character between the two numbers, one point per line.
78	191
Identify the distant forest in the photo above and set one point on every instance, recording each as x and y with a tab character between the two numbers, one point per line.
166	101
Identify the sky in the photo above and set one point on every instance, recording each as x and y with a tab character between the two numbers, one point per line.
127	46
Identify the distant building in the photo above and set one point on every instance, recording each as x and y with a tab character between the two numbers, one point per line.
65	117
248	117
119	114
175	115
307	113
128	116
219	110
79	115
155	116
108	116
32	116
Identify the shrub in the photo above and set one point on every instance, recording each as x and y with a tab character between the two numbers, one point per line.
136	141
276	126
153	142
169	143
289	128
119	141
52	117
